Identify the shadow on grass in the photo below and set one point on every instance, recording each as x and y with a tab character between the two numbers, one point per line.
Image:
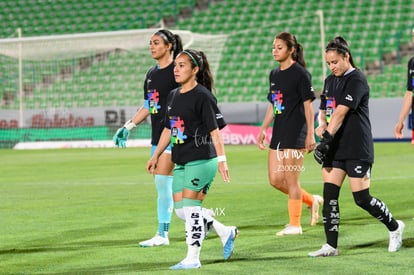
159	267
73	246
407	243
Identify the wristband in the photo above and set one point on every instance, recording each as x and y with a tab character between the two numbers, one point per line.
129	125
327	136
221	158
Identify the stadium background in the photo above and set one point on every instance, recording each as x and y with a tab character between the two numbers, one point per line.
379	33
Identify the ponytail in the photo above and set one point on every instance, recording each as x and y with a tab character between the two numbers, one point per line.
292	43
298	55
177	46
173	39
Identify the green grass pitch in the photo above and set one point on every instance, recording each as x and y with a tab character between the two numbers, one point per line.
83	211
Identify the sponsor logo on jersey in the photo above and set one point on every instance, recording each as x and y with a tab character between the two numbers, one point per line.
349	97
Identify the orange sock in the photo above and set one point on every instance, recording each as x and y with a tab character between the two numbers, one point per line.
295	211
307	198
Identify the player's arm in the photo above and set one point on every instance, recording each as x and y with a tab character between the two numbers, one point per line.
140	116
122	133
337	119
310	137
405	110
163	142
322	123
265	124
221	155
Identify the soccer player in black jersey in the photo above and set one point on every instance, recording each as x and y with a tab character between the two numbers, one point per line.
408	102
290	109
346	147
192	128
159	82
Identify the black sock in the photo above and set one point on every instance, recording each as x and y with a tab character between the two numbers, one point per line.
376	208
330	213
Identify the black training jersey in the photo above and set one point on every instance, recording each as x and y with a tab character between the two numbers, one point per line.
288	90
410	75
191	116
410	83
353	140
157	85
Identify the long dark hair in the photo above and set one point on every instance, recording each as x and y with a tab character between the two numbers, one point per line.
292	43
204	75
170	38
340	45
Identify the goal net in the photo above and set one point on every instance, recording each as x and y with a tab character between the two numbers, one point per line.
80	86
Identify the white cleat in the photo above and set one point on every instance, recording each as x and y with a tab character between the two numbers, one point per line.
290	230
314	209
157	240
396	237
325	251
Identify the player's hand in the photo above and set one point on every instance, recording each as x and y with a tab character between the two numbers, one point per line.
320	129
120	137
398	130
224	171
321	151
260	140
310	143
151	165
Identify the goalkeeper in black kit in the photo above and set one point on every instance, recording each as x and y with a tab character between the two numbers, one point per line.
346	147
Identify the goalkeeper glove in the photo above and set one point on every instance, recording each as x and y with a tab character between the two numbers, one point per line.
321	151
121	135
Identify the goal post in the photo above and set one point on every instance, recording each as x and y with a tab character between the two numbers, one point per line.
81	80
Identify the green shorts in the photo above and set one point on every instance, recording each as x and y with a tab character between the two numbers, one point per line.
195	175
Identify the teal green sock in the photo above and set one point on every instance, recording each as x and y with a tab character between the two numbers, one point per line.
164	202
